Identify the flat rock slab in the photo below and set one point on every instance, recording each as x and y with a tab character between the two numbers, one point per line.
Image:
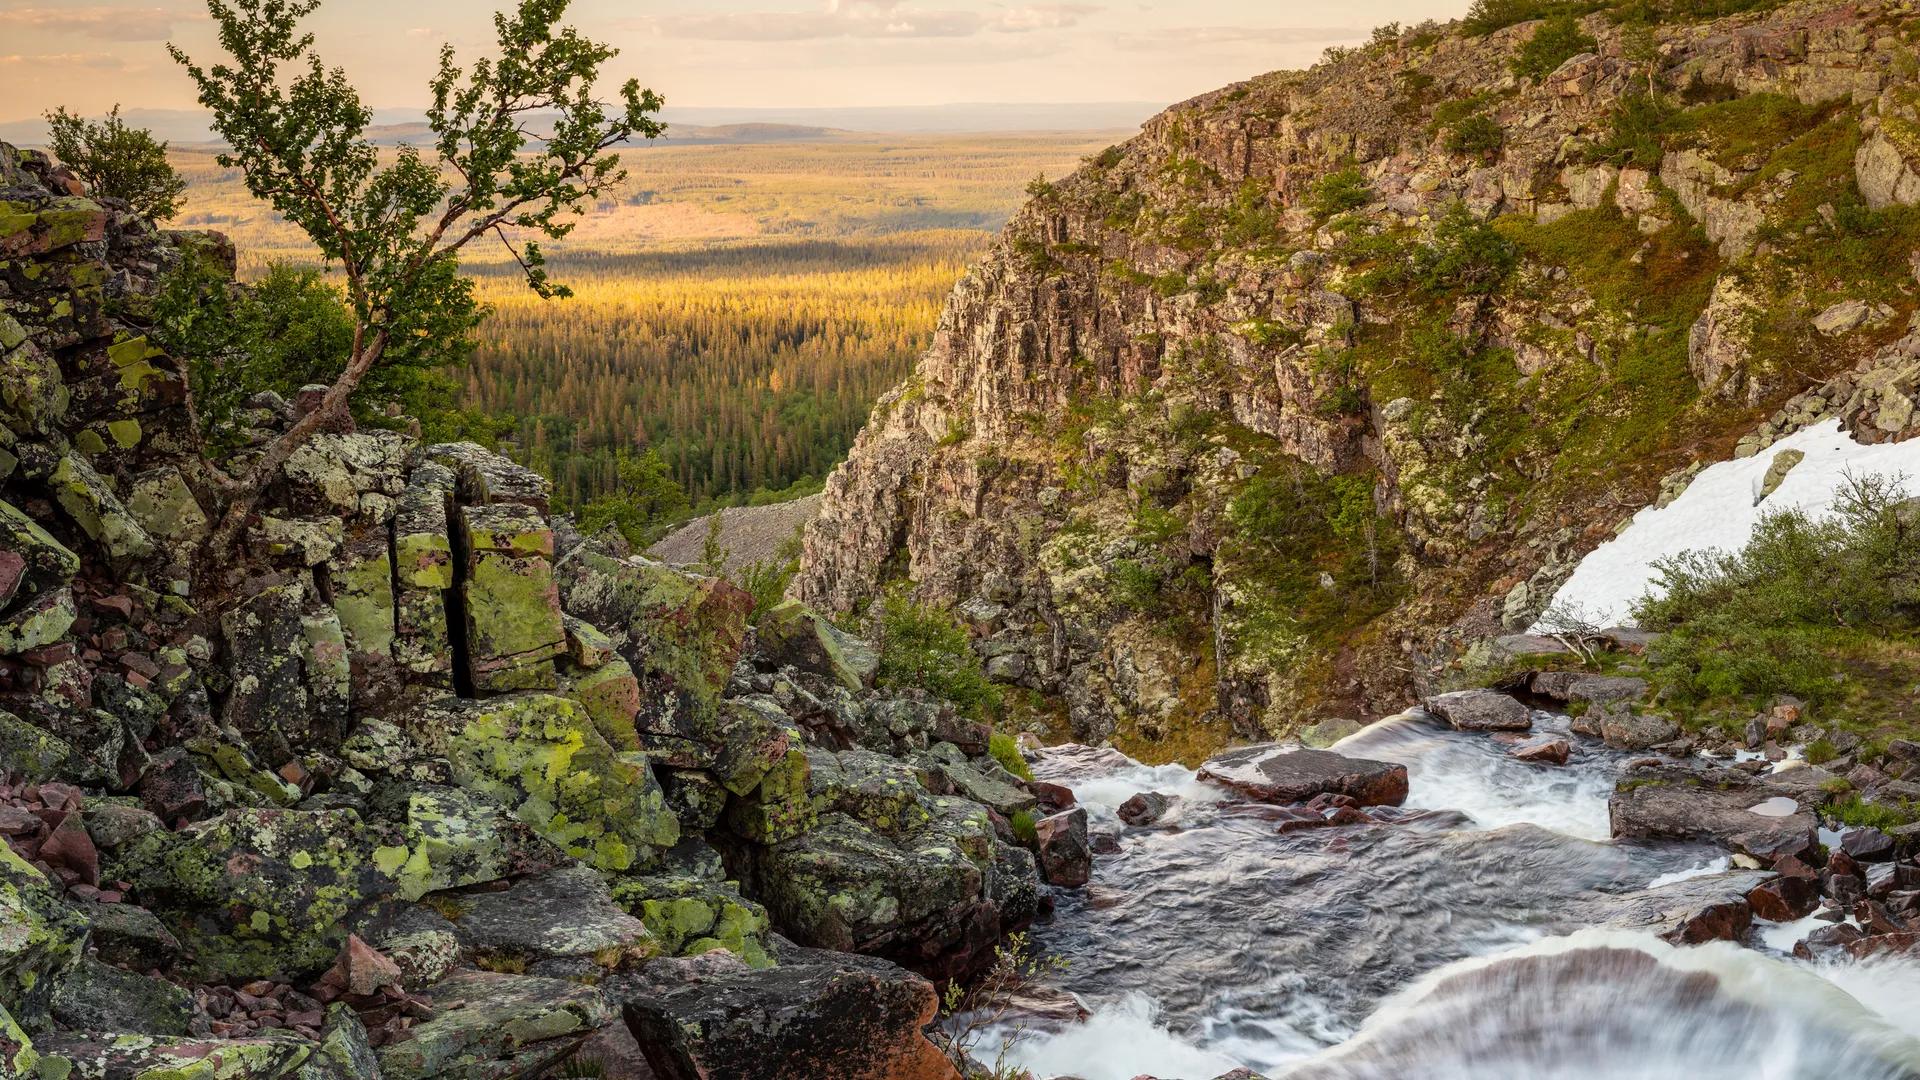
1582	686
1710	908
493	1025
1480	710
1713	807
1271	772
818	1016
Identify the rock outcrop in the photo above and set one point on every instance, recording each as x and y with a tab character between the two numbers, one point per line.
418	782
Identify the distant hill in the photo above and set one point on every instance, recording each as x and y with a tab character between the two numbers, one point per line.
719	125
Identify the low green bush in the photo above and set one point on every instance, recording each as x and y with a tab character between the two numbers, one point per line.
925	648
1006	751
1556	41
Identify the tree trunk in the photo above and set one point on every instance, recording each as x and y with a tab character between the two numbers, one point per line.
332	406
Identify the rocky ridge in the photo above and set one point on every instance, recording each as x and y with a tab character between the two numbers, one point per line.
421	783
1199	450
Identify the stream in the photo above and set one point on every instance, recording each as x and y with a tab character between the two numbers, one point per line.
1458	942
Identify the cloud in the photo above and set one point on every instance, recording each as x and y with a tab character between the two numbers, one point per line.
869	19
95	60
103	23
1248	37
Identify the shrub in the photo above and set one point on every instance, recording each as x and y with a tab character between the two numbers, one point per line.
1778	615
1478	134
117	161
1859	812
1556	41
283	332
1007	752
644	499
1465	256
925	648
1636	131
1024	826
1338	192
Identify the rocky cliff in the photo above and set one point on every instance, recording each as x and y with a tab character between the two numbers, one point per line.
1262	416
420	782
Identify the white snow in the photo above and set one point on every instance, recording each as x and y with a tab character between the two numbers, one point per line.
1717	512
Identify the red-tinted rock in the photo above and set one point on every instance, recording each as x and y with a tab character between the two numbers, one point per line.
1547	750
1784	899
1145	808
1061	841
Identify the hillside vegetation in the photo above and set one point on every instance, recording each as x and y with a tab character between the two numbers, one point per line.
1268	414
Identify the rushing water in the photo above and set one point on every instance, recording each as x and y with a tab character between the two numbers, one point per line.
1452	944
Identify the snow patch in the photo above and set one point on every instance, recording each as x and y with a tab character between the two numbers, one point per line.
1718	512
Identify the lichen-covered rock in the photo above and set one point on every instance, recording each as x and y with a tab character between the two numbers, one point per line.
489	1026
541	757
818	1016
562	923
364	604
93	996
291	674
342	1053
423	576
1722	807
485	478
354	475
89	500
41	938
920	884
681	634
446	837
49	563
511	602
38	754
792	634
257	893
691	909
164	505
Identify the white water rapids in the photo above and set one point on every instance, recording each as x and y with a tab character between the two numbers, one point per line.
1447	946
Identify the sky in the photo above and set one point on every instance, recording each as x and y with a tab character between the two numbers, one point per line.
88	56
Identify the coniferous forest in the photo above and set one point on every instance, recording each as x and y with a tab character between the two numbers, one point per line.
736	310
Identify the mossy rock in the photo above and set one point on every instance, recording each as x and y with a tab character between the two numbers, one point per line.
41	938
258	893
541	757
487	1024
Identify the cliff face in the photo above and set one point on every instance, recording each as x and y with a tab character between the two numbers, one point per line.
1257	417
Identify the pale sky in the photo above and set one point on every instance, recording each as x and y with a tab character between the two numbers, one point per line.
88	56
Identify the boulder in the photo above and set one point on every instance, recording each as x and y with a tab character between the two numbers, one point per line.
794	635
41	939
446	837
1711	908
341	1053
130	936
1061	841
254	894
486	1024
690	908
1146	808
1624	729
541	758
680	634
1570	687
100	997
1545	750
818	1016
1784	898
1480	710
510	599
1273	772
554	923
1718	808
